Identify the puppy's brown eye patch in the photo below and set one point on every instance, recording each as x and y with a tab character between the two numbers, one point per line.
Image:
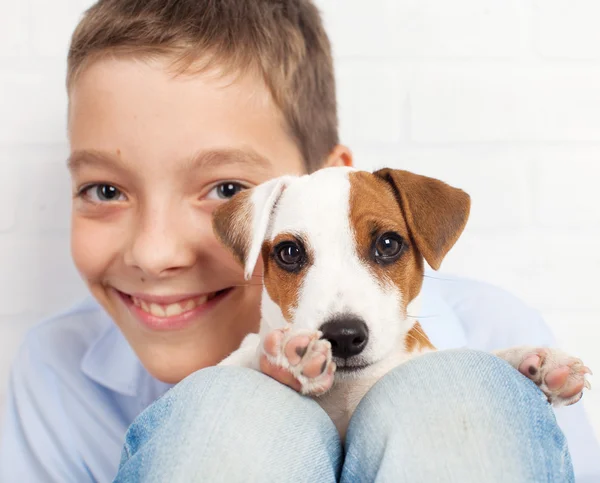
373	211
287	259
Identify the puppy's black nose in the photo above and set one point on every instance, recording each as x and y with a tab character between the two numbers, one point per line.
348	336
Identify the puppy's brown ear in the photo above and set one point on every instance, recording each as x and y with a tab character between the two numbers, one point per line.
242	223
436	213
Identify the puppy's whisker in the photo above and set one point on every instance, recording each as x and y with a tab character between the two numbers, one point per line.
422	316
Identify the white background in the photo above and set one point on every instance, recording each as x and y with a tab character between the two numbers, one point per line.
499	97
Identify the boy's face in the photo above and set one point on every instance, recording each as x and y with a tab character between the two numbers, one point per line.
152	155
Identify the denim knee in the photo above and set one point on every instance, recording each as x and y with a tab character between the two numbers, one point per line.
483	371
203	392
438	410
230	420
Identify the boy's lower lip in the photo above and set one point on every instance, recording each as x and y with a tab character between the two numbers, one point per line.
173	322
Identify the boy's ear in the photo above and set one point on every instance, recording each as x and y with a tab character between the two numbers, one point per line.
339	156
436	213
242	223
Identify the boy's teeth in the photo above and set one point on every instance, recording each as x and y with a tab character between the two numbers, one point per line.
189	305
159	310
173	309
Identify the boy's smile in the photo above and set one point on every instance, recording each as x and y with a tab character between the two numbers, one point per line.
160	313
152	155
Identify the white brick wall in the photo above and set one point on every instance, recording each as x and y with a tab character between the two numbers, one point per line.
499	102
500	97
567	29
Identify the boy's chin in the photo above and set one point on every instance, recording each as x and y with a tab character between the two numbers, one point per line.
172	356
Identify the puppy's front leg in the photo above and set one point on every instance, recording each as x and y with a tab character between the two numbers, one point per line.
559	376
298	355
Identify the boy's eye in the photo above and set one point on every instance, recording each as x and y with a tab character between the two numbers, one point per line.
224	191
101	193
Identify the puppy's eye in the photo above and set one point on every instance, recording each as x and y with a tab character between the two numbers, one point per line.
289	256
388	247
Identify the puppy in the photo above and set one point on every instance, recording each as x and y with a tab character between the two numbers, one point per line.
343	256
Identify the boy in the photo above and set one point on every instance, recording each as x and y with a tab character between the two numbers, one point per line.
175	106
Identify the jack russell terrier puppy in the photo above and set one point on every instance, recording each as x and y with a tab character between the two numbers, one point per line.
343	256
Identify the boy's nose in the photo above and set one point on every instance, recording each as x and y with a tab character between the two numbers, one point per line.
159	247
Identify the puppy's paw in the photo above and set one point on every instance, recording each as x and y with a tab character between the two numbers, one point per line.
559	376
305	356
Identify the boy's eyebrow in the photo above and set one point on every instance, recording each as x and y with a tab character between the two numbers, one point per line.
222	157
81	157
204	159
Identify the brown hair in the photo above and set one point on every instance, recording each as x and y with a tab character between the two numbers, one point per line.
283	40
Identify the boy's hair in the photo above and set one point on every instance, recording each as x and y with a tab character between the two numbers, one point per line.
282	40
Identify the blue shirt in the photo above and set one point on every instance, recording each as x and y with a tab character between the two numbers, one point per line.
76	385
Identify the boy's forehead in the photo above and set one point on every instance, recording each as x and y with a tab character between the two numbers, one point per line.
117	73
143	109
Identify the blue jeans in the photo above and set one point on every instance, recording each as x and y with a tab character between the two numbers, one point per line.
453	416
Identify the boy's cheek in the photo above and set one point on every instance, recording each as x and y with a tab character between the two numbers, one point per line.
92	247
